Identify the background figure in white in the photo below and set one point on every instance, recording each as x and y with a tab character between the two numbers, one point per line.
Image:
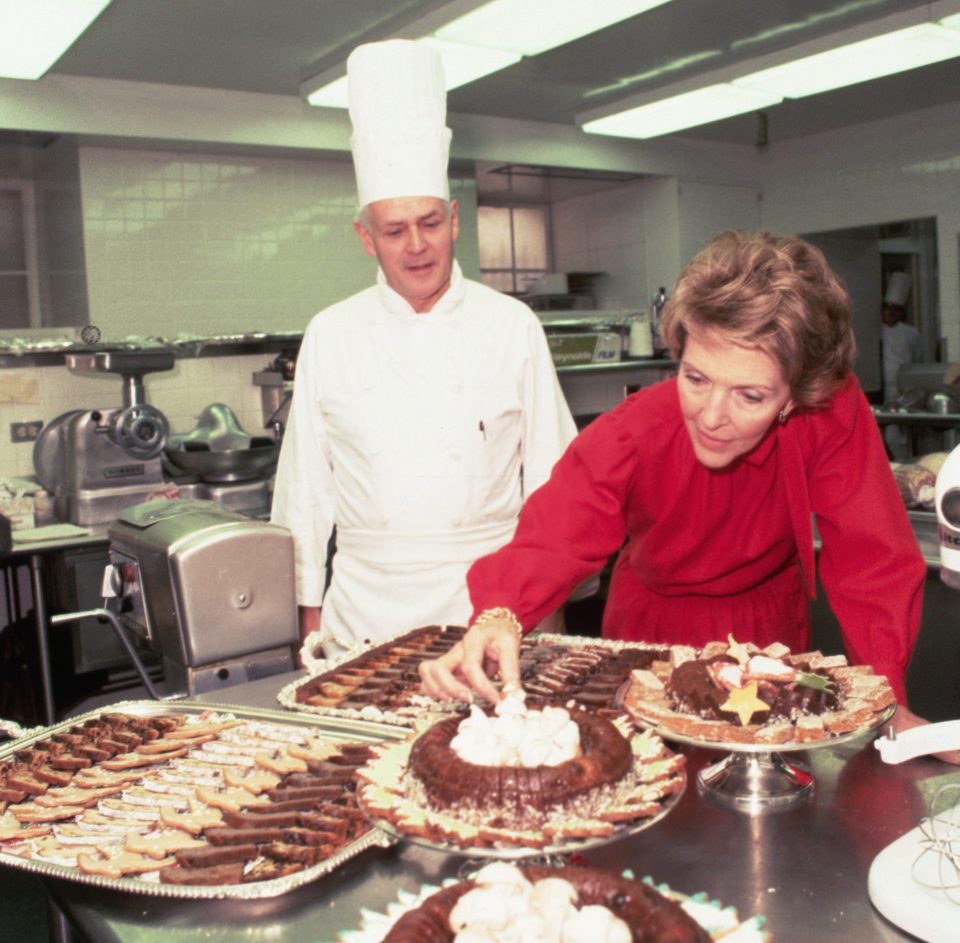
901	344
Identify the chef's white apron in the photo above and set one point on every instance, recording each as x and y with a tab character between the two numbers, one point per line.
373	575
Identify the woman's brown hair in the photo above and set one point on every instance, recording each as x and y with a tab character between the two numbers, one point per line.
775	293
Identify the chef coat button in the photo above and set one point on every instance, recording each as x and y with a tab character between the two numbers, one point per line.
455	387
456	521
455	456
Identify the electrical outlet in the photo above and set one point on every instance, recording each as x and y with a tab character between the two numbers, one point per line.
25	431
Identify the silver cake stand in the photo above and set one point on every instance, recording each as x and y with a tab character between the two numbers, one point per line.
757	778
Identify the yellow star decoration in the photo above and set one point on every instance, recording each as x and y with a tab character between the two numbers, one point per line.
738	650
744	703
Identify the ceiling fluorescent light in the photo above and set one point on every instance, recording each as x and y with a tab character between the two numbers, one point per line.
332	94
856	62
34	34
687	110
461	64
530	27
489	37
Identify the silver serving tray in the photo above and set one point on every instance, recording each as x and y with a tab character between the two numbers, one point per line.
335	729
423	709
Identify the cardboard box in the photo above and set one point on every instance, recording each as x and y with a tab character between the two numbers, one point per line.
18	511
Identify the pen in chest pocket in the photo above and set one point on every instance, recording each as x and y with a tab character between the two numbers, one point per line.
483	430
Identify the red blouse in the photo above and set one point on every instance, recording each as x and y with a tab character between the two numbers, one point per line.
707	553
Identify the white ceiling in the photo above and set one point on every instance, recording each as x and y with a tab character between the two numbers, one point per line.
271	45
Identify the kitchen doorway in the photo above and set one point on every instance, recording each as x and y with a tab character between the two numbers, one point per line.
865	258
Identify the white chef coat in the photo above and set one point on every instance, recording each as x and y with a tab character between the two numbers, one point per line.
419	436
901	344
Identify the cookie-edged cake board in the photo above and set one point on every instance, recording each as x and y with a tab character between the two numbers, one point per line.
548	852
755	778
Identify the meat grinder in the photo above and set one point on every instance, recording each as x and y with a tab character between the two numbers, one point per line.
97	461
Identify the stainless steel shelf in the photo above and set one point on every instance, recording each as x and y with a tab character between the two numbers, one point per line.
623	366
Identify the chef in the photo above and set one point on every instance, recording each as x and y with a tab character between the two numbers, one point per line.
426	408
901	344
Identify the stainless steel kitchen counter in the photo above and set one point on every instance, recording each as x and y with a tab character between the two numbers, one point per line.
805	868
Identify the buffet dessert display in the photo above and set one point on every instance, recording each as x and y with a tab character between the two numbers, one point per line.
187	801
183	801
736	693
521	778
381	683
505	902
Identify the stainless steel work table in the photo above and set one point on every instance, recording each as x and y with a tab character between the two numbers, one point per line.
804	867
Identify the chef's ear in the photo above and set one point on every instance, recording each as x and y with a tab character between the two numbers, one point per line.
366	239
454	220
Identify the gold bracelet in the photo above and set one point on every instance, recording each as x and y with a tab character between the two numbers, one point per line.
501	612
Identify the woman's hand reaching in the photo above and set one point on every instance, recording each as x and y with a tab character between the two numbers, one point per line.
490	648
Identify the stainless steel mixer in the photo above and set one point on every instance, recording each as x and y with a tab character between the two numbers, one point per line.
97	461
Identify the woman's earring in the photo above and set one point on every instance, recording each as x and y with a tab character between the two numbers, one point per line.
782	415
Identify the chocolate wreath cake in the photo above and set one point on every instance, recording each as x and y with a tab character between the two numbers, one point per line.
521	777
620	908
448	779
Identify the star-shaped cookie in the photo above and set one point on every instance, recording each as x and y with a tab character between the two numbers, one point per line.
744	703
738	650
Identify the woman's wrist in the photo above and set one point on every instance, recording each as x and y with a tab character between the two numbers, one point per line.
502	615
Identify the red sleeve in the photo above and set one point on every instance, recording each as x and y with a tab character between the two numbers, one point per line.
870	564
567	530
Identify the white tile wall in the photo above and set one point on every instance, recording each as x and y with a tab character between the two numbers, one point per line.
200	244
189	244
604	232
180	243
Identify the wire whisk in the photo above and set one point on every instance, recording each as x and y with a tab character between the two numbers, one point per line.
938	864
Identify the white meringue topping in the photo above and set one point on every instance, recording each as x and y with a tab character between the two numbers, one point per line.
516	736
506	908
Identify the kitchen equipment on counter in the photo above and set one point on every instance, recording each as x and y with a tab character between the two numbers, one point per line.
276	393
586	337
946	502
95	462
217	429
218	450
207	588
942	404
227	465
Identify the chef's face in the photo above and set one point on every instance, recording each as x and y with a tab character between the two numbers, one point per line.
729	395
412	238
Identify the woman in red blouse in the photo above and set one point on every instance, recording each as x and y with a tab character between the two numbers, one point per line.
707	485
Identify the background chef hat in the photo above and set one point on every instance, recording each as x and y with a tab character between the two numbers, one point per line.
898	289
398	107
